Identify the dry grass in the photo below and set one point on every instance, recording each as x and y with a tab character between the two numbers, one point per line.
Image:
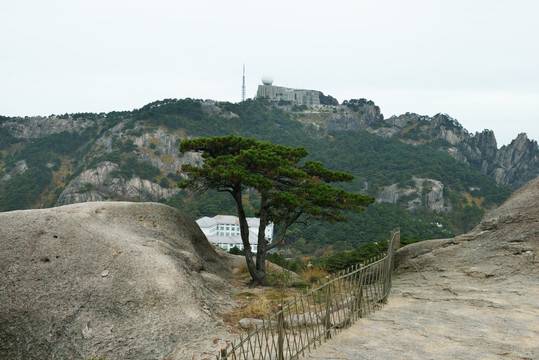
256	306
262	302
251	305
313	275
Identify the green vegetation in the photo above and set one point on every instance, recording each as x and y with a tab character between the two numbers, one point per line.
5	138
208	203
288	188
374	161
22	190
42	156
53	161
371	225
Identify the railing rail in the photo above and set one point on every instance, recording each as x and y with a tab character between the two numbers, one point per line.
319	313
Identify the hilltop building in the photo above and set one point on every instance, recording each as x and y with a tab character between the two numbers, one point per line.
224	231
294	96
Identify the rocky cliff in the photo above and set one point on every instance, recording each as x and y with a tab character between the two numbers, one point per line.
100	184
511	165
157	148
418	193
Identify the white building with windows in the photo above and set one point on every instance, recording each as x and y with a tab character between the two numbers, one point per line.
224	231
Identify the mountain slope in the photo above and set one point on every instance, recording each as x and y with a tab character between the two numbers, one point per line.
431	187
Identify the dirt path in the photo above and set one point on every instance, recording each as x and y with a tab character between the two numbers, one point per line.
472	297
446	316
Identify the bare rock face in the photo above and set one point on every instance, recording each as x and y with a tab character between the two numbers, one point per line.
158	148
486	143
347	119
38	126
420	192
109	279
166	146
519	159
512	164
99	184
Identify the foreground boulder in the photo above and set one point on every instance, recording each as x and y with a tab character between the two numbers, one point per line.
115	280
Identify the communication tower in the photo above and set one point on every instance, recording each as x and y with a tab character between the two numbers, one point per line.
243	85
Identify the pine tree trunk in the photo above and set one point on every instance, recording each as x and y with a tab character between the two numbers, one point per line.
256	270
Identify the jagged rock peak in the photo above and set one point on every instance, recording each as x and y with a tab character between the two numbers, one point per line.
354	115
519	160
486	142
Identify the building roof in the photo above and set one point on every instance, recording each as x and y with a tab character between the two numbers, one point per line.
206	222
227	219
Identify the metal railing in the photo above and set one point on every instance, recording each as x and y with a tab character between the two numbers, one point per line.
318	314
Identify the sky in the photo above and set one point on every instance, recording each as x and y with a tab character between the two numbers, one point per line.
475	60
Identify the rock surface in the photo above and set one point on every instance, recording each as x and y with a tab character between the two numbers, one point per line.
39	126
428	193
512	164
110	279
472	297
157	148
99	184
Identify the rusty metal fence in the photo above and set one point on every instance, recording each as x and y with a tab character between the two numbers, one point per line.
319	313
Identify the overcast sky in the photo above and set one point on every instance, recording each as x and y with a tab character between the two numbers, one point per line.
476	60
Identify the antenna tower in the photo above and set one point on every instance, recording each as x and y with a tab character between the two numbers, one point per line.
243	85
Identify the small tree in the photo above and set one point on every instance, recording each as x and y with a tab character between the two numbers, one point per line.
288	188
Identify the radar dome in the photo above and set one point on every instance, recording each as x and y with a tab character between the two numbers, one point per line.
267	79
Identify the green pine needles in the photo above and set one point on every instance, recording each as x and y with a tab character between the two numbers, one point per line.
288	188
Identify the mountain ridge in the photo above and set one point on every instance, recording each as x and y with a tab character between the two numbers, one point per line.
513	164
430	167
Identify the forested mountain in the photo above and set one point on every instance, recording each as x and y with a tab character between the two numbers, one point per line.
430	176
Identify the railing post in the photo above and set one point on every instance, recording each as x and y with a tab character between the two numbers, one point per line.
359	297
328	309
280	336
